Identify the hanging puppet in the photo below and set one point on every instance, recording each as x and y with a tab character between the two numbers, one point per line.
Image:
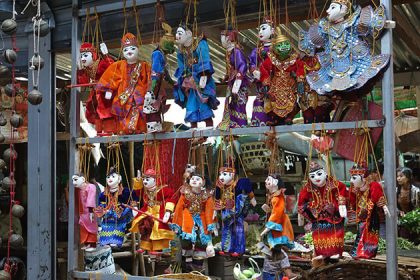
233	197
195	89
98	109
152	219
278	81
368	200
155	100
347	63
125	82
87	220
193	219
234	114
257	56
278	227
114	215
322	201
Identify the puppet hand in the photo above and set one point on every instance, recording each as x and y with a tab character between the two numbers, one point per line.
203	81
166	217
301	220
214	214
253	202
265	208
104	49
343	211
236	86
91	217
215	232
265	231
134	211
210	250
386	211
79	65
256	74
108	95
138	175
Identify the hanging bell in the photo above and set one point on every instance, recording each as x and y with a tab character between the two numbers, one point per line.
18	210
8	90
10	56
5	275
16	241
7	183
9	154
35	97
2	139
44	28
9	26
2	164
16	120
36	62
3	120
5	75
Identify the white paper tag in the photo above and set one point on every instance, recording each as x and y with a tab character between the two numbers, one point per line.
108	95
236	86
203	81
104	49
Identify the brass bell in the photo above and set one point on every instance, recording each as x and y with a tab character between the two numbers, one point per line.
16	120
36	62
7	183
2	139
16	240
9	154
44	28
9	26
18	210
2	163
35	97
10	56
5	75
3	120
8	90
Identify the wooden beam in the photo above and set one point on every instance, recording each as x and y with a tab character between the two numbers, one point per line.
406	32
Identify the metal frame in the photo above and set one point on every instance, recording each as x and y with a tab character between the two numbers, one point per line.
389	143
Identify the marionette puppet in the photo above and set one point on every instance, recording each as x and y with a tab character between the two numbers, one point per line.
195	89
322	201
367	199
278	81
234	114
347	63
233	197
87	219
98	109
113	211
193	219
155	99
151	221
257	56
125	82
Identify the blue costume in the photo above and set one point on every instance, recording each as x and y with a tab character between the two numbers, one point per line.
347	63
192	64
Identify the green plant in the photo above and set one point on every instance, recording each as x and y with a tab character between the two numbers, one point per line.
411	221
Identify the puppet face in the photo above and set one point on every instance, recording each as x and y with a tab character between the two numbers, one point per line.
196	182
271	184
86	58
182	36
113	180
336	12
131	54
265	32
224	39
318	177
226	177
78	181
149	183
357	181
402	179
282	49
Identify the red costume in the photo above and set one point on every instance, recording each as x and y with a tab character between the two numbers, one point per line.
98	109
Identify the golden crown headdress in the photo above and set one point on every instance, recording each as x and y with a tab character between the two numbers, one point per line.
279	37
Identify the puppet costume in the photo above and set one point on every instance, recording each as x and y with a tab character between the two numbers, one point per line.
98	109
234	114
347	63
320	206
368	205
234	202
129	84
115	216
281	233
87	202
192	64
155	235
259	114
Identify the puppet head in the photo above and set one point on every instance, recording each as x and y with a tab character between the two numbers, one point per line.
149	179
88	55
281	45
167	42
338	10
113	180
358	173
130	48
197	182
317	174
78	180
273	183
266	30
229	37
183	36
226	175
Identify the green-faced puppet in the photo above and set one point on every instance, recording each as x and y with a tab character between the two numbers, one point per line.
167	42
281	46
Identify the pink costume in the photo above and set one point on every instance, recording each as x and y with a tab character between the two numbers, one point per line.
87	202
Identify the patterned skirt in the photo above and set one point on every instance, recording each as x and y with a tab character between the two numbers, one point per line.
328	238
114	227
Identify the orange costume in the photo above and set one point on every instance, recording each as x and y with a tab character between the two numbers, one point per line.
281	232
129	84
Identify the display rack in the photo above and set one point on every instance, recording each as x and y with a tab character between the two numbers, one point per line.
387	123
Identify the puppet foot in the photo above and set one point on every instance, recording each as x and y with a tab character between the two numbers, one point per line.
222	253
234	254
335	257
140	251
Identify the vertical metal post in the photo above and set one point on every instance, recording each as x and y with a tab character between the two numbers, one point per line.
389	151
41	170
72	253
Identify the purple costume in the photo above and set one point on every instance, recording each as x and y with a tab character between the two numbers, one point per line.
259	116
234	114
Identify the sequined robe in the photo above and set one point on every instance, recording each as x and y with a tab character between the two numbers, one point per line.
128	83
319	205
282	86
368	205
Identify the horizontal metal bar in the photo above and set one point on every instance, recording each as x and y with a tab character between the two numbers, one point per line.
209	132
116	6
91	275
